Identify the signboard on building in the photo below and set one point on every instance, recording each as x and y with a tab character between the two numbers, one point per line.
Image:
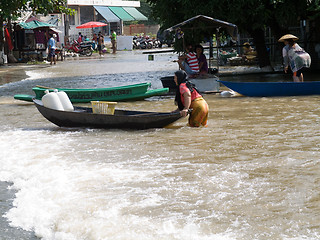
115	3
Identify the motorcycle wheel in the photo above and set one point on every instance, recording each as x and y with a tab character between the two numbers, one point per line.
87	52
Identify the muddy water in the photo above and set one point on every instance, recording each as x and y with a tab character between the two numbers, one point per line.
253	173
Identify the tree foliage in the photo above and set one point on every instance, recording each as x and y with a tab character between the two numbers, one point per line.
251	16
248	15
10	9
146	10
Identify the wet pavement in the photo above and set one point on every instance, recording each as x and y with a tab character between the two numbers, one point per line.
122	62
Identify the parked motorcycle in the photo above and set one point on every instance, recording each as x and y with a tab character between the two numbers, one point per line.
149	42
157	43
135	43
82	49
140	42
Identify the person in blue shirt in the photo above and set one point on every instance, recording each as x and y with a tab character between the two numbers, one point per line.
52	49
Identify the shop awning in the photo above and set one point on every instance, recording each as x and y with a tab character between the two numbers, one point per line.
135	13
107	14
34	24
209	23
121	13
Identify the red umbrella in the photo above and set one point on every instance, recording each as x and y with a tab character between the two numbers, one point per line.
92	25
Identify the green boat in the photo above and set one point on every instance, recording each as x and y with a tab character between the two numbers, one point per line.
115	94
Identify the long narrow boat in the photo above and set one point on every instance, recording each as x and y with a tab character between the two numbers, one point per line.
207	84
122	93
273	89
121	119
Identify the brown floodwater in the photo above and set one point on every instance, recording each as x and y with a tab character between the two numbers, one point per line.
252	173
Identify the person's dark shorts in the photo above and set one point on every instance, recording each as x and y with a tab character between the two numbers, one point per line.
99	47
298	73
52	52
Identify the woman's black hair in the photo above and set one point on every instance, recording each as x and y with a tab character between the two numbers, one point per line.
182	77
199	46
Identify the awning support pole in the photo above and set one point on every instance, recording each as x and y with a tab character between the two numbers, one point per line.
210	51
218	45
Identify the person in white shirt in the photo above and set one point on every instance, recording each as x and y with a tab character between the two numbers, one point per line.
294	56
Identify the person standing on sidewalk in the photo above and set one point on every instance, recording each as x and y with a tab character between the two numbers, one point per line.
114	41
100	43
52	48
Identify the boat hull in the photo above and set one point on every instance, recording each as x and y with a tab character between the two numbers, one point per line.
116	94
274	89
78	95
202	84
122	119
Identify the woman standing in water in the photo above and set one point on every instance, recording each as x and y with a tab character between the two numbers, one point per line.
294	56
187	97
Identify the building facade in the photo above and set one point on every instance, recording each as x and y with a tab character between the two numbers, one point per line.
112	12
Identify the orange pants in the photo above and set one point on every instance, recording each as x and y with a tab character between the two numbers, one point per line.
199	114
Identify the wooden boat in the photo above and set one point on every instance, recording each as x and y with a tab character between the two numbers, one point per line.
273	89
122	93
203	84
122	119
210	26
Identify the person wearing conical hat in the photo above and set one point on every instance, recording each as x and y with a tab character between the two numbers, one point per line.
294	56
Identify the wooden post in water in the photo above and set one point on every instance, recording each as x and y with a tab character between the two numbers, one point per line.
218	44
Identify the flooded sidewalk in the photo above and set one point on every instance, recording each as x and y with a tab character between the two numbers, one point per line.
122	62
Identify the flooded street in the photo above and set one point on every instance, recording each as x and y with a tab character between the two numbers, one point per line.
253	173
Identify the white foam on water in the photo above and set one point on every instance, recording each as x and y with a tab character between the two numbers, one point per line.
96	184
71	197
32	74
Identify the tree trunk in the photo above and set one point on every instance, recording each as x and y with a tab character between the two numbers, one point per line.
11	58
1	41
1	34
258	38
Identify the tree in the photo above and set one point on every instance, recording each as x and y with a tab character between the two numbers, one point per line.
11	9
251	16
145	10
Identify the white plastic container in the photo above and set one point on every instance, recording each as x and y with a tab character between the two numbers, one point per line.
65	101
51	100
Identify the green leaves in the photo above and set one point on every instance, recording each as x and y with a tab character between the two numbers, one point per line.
248	15
9	9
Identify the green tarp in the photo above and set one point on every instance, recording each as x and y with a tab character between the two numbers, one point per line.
121	13
34	24
107	14
135	13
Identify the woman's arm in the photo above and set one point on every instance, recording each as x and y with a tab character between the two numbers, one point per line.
187	103
285	59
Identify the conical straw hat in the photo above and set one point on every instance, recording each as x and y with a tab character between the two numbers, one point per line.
287	36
